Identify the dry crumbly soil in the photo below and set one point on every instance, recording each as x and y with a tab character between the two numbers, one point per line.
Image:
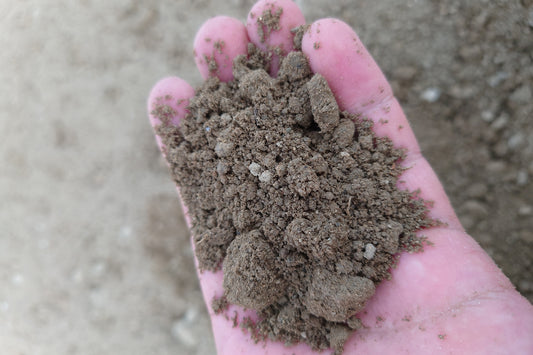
296	200
89	267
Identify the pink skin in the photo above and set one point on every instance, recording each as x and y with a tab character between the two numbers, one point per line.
450	299
291	17
232	39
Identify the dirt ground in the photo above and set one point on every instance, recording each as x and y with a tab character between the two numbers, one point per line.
94	254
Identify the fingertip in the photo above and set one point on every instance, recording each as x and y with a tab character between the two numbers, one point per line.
168	101
174	94
335	51
217	43
269	26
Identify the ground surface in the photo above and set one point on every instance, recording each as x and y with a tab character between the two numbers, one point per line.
94	254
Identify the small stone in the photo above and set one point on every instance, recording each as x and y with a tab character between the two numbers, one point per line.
370	251
281	170
516	140
225	118
265	176
522	178
255	169
525	210
487	116
431	95
222	168
522	94
497	78
223	149
500	122
343	134
337	297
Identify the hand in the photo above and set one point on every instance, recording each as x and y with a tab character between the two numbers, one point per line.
451	298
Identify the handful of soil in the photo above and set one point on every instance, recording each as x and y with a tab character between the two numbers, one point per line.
296	201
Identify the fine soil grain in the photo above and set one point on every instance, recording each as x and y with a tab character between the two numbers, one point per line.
295	200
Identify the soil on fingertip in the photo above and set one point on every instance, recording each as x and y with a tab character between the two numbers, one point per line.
295	200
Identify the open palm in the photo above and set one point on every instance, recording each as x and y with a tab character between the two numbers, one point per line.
449	299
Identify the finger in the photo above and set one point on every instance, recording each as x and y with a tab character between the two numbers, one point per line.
269	26
335	51
217	43
452	286
168	102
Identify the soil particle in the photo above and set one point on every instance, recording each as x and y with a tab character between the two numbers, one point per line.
295	200
298	33
323	104
251	278
337	297
219	305
268	22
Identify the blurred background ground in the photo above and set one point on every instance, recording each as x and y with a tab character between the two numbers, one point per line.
94	254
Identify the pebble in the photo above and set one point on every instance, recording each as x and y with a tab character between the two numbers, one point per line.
522	178
500	122
515	140
223	149
525	210
265	176
522	94
370	251
431	94
255	169
497	78
222	168
487	116
225	118
344	132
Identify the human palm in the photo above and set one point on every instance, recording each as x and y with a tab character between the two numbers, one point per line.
451	298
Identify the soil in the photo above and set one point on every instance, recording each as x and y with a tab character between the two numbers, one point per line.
295	200
89	295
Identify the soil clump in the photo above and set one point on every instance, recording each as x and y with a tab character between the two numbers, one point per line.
296	201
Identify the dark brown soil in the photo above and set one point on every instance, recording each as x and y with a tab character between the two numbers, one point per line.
296	201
